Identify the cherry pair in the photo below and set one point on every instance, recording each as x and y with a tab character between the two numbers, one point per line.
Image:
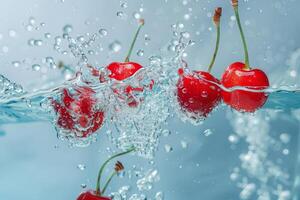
97	194
77	111
200	92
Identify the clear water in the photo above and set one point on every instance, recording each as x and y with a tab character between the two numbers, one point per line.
229	155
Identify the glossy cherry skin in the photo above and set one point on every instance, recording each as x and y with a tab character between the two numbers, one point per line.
91	195
237	76
198	92
121	71
74	113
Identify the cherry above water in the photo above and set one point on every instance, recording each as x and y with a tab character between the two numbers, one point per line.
254	79
76	111
123	70
199	91
241	75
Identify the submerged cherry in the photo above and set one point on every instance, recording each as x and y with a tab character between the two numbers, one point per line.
98	193
198	92
241	75
76	111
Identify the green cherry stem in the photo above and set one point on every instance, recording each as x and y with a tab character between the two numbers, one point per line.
216	19
108	181
142	22
235	5
98	192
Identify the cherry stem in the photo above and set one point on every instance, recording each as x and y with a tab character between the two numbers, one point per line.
236	11
108	181
98	192
218	13
142	22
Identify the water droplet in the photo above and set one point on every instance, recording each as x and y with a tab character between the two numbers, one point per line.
58	40
168	148
38	42
5	49
67	28
12	33
159	196
285	151
124	5
115	46
103	32
187	16
184	144
29	27
136	15
208	132
16	63
83	185
285	138
32	20
204	94
47	35
31	42
36	67
233	139
185	34
81	167
140	52
166	133
120	14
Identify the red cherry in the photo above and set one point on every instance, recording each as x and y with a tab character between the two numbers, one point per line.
121	71
198	92
236	75
75	111
91	195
